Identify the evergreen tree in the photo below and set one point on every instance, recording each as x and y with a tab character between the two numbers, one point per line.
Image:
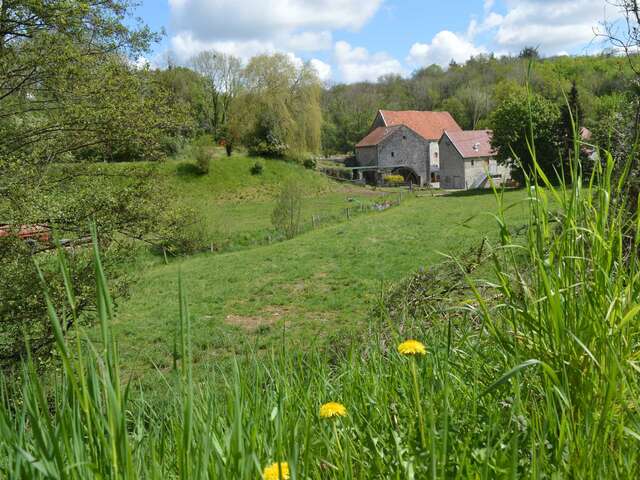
570	125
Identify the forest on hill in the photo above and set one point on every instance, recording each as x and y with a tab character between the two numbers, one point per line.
472	91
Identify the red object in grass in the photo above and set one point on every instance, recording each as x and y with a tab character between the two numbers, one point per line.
38	232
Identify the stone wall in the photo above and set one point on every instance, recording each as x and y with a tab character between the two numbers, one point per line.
407	148
367	156
451	166
459	173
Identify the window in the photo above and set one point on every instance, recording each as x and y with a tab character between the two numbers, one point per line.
472	162
404	137
393	154
435	154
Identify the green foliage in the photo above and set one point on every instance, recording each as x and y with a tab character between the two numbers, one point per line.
525	380
180	231
72	97
287	213
187	91
471	92
278	112
203	159
221	75
257	168
309	163
523	125
338	172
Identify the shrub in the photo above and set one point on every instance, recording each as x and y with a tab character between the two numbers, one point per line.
203	159
180	232
338	173
257	168
393	179
171	145
309	164
287	214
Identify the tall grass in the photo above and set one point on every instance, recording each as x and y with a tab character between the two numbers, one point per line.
547	387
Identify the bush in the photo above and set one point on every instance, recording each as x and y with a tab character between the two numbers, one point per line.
309	164
171	145
393	179
257	168
287	214
181	232
203	159
338	173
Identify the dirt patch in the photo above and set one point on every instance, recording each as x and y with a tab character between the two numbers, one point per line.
248	323
268	316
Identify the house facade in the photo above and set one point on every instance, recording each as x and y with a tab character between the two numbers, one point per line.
404	142
467	161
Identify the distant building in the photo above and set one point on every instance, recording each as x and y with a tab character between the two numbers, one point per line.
467	161
406	143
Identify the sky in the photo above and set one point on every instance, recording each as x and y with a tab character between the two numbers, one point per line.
355	40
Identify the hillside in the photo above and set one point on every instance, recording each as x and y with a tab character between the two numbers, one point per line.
317	287
235	205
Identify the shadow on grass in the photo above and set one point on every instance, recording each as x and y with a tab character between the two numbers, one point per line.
477	192
187	169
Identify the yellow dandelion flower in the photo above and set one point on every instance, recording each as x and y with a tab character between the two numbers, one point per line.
333	409
412	347
276	471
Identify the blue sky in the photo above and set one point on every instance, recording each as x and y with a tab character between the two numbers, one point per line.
353	40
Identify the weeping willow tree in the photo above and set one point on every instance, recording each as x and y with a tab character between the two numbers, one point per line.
278	113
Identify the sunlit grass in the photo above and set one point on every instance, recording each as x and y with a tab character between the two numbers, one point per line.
545	387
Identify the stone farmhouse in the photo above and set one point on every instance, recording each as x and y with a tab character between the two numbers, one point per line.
405	143
467	161
427	148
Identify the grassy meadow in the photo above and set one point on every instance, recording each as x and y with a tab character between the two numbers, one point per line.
319	287
225	365
235	205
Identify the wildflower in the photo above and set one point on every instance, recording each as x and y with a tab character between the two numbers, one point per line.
276	471
333	409
412	347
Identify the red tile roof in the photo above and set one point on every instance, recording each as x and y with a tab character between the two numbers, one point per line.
472	143
429	125
376	136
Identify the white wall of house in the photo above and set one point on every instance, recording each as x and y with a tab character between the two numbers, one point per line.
434	155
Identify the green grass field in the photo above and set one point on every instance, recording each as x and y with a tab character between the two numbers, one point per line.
533	375
317	287
235	206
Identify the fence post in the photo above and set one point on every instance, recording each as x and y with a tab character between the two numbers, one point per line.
348	214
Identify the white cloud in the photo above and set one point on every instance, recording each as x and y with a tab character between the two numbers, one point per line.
444	47
356	64
552	25
307	41
323	69
185	45
298	25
